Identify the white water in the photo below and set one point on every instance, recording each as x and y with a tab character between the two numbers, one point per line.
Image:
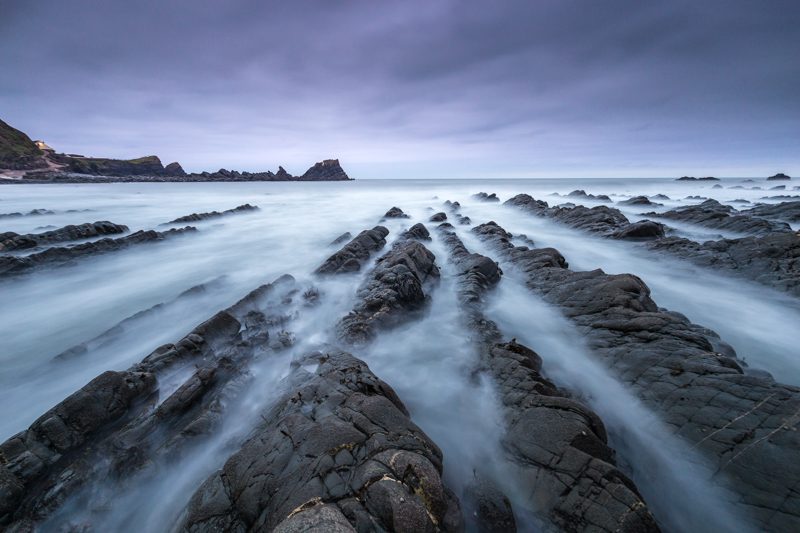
427	362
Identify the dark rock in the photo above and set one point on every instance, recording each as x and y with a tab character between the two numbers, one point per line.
143	166
196	217
393	293
327	170
438	217
717	186
174	169
352	256
10	264
603	220
579	193
786	211
463	220
417	231
689	178
557	446
740	422
662	196
452	206
113	427
337	452
395	212
778	176
643	230
13	241
713	214
344	237
638	200
484	197
31	213
771	259
778	188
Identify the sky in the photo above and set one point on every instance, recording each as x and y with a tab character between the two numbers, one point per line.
413	89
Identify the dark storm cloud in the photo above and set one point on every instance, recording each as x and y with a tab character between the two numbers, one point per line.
446	88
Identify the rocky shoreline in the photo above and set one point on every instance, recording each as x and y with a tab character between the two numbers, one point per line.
336	448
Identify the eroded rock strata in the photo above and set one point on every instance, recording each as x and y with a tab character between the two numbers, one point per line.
742	422
352	256
197	217
566	472
713	214
602	220
10	241
15	264
118	424
393	292
337	452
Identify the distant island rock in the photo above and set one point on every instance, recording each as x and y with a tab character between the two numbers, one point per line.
23	160
692	178
778	176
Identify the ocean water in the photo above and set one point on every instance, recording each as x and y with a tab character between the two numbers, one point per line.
427	361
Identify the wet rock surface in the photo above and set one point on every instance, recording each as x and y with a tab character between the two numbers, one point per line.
558	446
393	292
395	212
12	264
745	424
772	260
10	241
337	451
784	211
713	214
352	256
197	217
602	220
117	425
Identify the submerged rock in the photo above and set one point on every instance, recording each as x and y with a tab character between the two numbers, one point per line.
638	200
10	241
438	217
484	197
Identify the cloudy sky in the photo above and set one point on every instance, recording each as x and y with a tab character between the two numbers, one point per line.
417	89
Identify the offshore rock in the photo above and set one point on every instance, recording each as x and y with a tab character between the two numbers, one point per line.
395	212
10	264
713	214
10	241
196	217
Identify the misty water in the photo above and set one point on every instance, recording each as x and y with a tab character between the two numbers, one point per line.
428	361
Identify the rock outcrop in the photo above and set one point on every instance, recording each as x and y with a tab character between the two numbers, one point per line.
352	256
393	293
602	220
327	170
741	422
337	452
10	241
784	211
713	214
771	260
558	446
395	212
197	217
16	264
174	169
117	425
485	197
778	176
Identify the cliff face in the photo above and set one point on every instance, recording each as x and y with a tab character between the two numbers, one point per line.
18	151
327	170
